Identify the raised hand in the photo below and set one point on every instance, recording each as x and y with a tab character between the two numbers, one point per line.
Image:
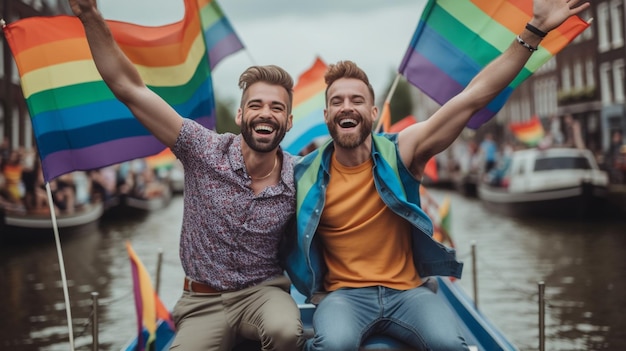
549	14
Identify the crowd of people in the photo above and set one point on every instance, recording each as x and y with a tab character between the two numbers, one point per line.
23	187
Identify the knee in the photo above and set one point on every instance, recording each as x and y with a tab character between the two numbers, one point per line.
282	336
449	343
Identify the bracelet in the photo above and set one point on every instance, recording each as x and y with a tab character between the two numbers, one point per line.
526	45
536	30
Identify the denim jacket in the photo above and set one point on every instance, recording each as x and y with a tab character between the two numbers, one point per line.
397	188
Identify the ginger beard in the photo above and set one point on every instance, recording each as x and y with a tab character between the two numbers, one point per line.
338	128
263	134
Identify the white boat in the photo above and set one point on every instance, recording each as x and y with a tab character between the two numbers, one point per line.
86	214
554	182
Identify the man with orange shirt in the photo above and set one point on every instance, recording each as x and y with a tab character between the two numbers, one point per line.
364	246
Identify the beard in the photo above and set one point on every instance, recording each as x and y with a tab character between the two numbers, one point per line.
262	143
352	140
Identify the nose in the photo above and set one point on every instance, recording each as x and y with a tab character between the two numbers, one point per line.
266	110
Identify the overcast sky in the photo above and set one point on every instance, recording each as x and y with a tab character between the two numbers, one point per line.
291	33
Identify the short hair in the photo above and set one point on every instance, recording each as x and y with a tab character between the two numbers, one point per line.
346	69
270	74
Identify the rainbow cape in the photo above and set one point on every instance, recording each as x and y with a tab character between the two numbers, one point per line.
455	39
308	109
529	132
148	305
77	122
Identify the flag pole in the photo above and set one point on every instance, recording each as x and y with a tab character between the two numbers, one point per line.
392	89
61	265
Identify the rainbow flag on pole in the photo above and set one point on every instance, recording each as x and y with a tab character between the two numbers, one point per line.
149	306
308	109
77	122
530	132
455	39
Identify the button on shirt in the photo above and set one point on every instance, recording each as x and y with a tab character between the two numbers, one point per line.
230	235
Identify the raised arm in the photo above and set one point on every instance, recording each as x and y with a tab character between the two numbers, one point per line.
422	141
122	77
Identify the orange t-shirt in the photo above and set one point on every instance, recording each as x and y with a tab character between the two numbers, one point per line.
365	243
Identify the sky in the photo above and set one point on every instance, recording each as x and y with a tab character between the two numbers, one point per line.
292	33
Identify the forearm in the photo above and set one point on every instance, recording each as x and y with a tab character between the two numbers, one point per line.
116	69
498	74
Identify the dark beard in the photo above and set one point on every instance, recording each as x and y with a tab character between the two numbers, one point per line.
353	140
265	144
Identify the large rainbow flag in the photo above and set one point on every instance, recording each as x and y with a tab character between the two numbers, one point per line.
308	109
455	39
77	122
148	305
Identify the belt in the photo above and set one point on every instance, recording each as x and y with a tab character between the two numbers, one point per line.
193	286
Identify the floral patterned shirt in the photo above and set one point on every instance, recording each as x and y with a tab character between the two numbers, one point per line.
230	235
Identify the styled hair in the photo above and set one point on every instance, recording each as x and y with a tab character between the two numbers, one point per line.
346	69
270	74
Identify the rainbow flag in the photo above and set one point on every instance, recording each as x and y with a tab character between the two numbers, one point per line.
77	122
148	305
455	39
529	132
308	109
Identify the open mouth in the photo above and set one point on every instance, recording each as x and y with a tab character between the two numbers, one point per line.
264	129
348	123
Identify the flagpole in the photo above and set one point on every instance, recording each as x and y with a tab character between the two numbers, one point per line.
61	265
392	89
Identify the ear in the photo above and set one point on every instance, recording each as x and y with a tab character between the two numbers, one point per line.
239	117
374	112
289	122
326	115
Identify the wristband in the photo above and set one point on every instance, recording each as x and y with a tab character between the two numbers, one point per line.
526	45
538	32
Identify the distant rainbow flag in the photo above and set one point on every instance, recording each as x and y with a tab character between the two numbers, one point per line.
163	160
149	306
529	132
77	122
308	109
455	39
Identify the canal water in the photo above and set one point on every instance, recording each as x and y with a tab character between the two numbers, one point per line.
581	263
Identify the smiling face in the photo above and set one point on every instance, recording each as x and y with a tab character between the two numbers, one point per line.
350	112
264	116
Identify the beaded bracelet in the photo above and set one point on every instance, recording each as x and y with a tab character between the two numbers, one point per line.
526	45
538	32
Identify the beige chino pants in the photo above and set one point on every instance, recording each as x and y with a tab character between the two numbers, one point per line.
219	321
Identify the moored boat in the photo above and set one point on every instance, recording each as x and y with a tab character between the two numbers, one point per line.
83	215
555	182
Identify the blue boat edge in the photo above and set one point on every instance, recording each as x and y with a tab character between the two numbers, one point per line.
479	332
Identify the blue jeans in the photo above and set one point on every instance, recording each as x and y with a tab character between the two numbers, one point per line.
417	317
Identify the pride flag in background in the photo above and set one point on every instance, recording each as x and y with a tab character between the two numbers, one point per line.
77	122
149	306
529	132
308	109
455	39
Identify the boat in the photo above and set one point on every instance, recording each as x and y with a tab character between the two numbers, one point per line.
552	182
155	201
479	332
83	215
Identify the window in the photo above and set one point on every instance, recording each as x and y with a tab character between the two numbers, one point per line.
603	27
618	81
590	78
617	20
578	75
552	163
566	79
605	83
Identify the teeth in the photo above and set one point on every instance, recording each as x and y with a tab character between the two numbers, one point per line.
263	128
348	122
